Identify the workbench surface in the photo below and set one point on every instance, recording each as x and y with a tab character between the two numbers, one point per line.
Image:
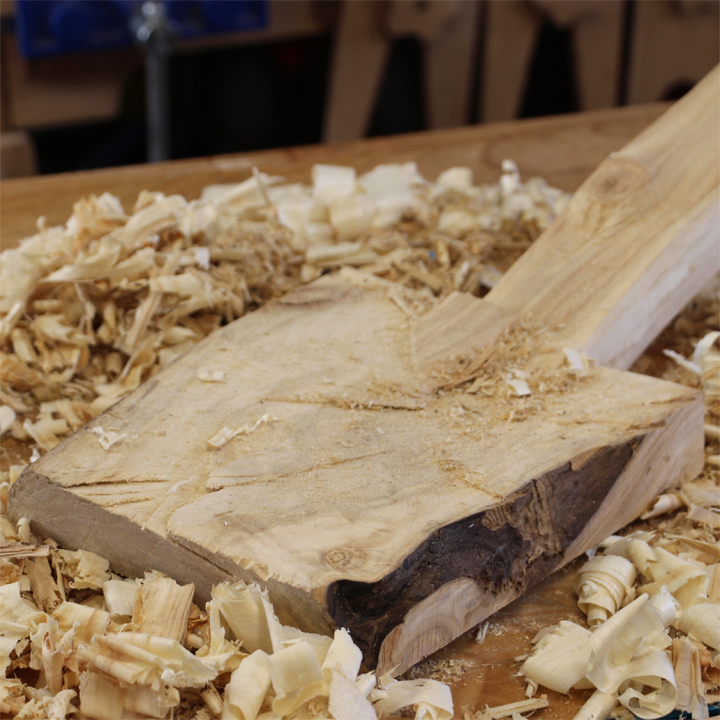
564	150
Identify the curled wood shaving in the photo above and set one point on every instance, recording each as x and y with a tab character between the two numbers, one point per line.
603	585
688	673
226	434
91	309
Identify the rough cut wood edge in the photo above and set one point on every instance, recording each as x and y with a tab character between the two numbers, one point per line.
132	550
663	458
638	239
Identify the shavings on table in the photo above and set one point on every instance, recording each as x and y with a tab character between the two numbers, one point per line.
653	609
91	309
100	646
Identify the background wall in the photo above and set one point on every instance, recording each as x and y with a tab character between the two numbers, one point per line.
327	69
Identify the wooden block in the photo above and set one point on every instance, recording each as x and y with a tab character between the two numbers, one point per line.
368	498
382	476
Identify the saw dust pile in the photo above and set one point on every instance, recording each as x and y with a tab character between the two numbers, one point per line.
90	310
76	639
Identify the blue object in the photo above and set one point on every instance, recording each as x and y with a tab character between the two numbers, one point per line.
46	28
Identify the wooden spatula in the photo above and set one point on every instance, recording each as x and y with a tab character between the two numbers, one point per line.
387	476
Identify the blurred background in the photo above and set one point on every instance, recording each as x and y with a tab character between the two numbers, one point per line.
98	83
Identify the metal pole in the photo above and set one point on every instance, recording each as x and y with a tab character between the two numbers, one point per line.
155	34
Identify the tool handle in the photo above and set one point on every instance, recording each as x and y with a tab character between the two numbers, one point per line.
637	241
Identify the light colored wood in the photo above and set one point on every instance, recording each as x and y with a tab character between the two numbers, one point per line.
359	58
637	240
361	466
163	608
449	64
563	149
664	454
671	42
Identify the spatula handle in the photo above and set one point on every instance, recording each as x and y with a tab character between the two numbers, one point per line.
636	243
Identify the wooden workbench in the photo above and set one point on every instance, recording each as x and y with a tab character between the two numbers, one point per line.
564	150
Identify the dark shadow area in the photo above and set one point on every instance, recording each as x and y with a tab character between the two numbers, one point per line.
241	99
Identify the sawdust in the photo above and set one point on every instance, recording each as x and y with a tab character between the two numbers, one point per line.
89	325
91	310
445	670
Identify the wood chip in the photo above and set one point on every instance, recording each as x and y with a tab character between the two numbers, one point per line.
22	550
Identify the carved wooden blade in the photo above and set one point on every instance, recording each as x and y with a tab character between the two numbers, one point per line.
638	240
383	476
397	486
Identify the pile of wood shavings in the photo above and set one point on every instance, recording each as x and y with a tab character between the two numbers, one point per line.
76	639
114	321
652	600
90	310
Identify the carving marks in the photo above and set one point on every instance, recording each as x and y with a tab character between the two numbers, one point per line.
504	550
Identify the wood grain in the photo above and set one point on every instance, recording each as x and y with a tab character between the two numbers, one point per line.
367	499
638	239
564	150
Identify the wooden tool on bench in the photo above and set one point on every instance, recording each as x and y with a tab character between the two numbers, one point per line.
390	476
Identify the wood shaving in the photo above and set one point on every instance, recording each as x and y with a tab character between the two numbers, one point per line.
142	647
509	710
226	434
91	309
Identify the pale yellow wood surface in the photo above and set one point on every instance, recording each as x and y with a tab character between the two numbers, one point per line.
637	240
355	459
